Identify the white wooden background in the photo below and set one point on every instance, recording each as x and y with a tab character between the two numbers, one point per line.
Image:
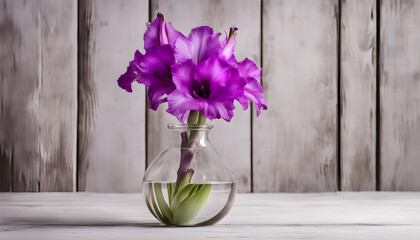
341	80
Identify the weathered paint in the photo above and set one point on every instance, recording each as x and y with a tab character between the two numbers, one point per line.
358	95
295	141
111	131
400	96
38	94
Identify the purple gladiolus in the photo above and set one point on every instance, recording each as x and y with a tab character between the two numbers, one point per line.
195	73
200	78
154	68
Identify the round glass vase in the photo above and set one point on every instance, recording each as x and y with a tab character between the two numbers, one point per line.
189	183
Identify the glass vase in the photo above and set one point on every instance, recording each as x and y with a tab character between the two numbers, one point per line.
189	183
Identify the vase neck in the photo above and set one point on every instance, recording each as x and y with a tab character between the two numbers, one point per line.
191	135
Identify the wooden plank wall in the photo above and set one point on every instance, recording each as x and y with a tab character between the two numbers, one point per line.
38	87
111	130
341	81
400	95
358	95
295	141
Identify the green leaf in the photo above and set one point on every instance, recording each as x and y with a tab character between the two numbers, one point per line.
181	196
159	215
163	206
190	207
185	179
149	206
170	187
194	189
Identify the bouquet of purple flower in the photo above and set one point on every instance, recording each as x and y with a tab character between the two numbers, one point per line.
194	73
200	79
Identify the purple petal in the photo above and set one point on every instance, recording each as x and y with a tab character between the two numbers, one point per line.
213	70
156	95
180	105
156	66
163	37
216	110
173	34
234	88
224	82
211	87
229	48
138	57
183	77
253	90
200	45
132	74
156	74
248	69
151	36
125	80
157	58
159	33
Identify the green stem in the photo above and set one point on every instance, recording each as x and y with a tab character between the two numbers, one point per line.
182	189
201	118
193	117
196	117
194	134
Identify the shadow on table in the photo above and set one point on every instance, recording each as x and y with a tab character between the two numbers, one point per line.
54	222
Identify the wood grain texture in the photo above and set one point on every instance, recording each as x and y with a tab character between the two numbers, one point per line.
111	149
38	95
400	95
295	147
356	215
358	95
232	140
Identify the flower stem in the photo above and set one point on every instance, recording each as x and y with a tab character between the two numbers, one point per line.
193	117
201	118
188	146
182	188
196	117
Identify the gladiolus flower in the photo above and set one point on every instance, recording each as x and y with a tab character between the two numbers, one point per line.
211	87
194	73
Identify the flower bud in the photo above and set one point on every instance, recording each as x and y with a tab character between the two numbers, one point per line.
163	36
232	32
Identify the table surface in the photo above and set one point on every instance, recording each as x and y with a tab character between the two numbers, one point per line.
342	215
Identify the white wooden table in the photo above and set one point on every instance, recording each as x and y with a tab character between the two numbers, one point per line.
358	215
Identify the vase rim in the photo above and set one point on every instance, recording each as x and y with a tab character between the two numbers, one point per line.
185	126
